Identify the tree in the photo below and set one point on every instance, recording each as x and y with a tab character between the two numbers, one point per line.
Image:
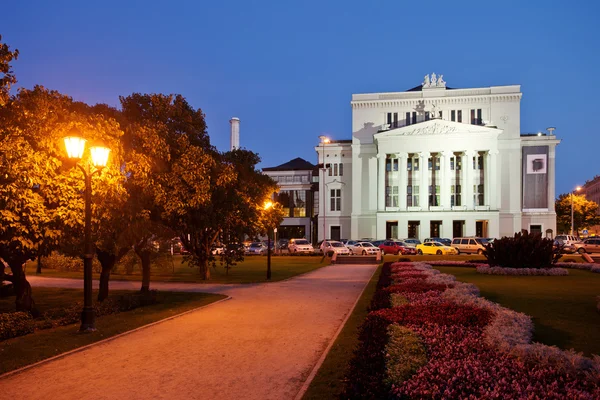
7	77
585	213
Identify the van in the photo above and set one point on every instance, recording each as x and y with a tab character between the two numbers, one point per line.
566	239
469	245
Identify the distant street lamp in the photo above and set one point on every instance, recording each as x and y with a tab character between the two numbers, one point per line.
577	189
268	205
99	156
324	141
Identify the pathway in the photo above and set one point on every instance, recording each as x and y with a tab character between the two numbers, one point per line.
261	344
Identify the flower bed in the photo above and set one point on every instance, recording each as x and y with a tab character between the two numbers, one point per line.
448	263
586	266
474	348
485	269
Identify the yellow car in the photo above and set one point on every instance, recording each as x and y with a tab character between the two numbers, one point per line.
435	248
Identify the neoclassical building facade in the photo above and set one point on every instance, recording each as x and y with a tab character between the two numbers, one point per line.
434	161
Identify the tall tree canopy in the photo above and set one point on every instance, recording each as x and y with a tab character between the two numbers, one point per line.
584	213
7	77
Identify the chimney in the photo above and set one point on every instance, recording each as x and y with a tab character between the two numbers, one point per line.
235	133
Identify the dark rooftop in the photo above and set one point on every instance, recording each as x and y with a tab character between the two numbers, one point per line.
297	164
420	89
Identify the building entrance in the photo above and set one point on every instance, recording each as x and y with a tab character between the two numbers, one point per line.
291	231
391	229
336	233
458	229
481	228
413	229
435	227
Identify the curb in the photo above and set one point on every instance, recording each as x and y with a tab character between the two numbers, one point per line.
317	366
87	346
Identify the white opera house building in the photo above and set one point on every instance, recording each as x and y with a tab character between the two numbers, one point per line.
435	161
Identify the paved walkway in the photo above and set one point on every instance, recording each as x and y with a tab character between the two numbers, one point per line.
262	344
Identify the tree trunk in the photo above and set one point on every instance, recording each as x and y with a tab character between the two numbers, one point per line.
24	299
107	262
145	256
38	271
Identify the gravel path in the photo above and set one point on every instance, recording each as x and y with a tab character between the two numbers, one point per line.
261	344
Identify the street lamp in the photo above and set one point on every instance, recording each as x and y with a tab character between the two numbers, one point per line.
577	189
268	205
324	140
99	156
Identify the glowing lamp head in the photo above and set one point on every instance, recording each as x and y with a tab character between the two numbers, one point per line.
75	146
324	139
268	204
578	188
99	156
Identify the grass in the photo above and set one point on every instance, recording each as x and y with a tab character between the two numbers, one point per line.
253	269
563	308
328	383
21	351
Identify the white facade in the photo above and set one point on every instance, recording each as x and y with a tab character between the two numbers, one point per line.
439	162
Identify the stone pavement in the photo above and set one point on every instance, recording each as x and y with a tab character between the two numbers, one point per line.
261	344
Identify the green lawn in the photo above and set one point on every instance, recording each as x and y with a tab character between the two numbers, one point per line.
252	269
563	308
21	351
328	383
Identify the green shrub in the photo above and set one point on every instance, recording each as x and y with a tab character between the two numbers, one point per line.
524	250
405	354
15	324
61	262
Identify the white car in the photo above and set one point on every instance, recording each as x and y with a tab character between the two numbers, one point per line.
365	248
298	246
335	246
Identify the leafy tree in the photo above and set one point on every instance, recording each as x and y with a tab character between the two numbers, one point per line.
7	77
40	191
585	213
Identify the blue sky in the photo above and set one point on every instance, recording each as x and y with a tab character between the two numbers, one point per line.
288	69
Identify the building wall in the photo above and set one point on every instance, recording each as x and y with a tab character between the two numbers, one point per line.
495	136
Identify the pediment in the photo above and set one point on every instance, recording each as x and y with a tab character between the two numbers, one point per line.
438	127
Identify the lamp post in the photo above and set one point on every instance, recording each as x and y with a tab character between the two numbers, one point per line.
324	140
268	205
577	189
99	156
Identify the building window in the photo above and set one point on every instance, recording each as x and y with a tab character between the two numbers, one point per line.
389	120
453	115
328	167
476	117
335	170
478	198
395	125
455	195
412	195
459	116
407	118
434	198
412	164
336	200
414	117
391	196
304	178
427	116
341	169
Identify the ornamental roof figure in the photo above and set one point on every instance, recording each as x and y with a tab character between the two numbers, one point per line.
434	82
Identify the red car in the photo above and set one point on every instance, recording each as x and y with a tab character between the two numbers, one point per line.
396	247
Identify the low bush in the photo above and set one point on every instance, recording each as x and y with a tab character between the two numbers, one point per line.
444	313
522	271
524	250
15	324
60	262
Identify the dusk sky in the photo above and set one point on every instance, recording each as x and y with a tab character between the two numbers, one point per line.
288	69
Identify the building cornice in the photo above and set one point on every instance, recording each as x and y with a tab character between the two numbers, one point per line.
398	100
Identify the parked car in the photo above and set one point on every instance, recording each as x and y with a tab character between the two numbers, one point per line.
256	248
590	245
335	246
567	239
299	246
469	245
365	248
435	248
376	243
564	248
396	247
411	242
282	244
217	249
445	241
349	243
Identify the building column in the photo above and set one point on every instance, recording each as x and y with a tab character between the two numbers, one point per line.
551	178
468	181
403	179
494	179
424	185
487	172
381	182
445	175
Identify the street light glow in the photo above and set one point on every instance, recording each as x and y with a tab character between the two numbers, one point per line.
99	155
268	204
578	188
75	146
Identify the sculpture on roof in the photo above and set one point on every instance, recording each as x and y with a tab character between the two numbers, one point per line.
434	82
